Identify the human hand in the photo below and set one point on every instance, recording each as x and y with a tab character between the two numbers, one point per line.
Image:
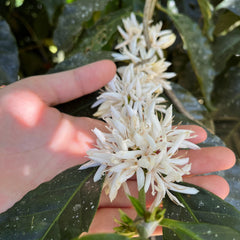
37	141
204	160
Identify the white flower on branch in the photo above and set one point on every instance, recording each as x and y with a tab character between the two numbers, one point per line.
143	147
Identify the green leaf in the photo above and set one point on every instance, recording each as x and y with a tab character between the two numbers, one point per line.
9	63
62	208
103	236
137	205
225	20
51	7
231	5
227	118
225	47
136	5
202	231
204	207
191	104
70	22
228	100
99	35
207	10
199	52
124	218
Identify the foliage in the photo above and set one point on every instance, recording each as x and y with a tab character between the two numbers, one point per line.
62	208
206	60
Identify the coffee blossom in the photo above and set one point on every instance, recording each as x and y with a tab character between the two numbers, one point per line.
145	147
139	139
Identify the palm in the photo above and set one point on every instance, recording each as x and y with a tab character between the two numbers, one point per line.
37	141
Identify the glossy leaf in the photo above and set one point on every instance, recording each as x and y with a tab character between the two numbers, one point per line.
226	95
225	47
192	106
70	22
99	35
231	5
9	63
62	208
199	52
200	231
136	5
227	121
227	118
206	208
103	236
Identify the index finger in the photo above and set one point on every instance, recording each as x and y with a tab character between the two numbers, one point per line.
65	86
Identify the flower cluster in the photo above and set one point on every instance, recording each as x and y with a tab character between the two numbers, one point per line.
137	141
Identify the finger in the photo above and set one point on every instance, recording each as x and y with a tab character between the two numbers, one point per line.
212	183
209	159
62	87
199	134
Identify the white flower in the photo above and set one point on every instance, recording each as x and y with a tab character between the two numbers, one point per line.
143	147
160	39
133	32
136	142
134	88
134	46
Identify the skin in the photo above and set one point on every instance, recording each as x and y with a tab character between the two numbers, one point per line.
37	142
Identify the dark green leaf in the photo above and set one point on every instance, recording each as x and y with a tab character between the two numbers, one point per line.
227	118
201	231
227	121
71	20
199	52
59	209
136	5
51	7
103	236
224	21
204	207
191	104
233	138
189	8
207	12
225	47
98	36
231	5
9	63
